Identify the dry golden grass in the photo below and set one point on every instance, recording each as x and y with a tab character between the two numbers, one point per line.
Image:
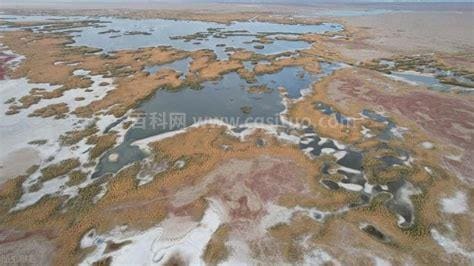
59	169
76	177
289	237
459	61
39	67
73	137
216	250
225	15
126	96
176	260
125	202
103	143
145	206
325	125
57	110
10	192
214	70
121	64
310	64
242	55
258	89
104	262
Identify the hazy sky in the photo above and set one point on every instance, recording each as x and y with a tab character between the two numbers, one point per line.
221	1
296	2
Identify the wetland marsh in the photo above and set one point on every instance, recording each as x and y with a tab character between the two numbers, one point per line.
247	138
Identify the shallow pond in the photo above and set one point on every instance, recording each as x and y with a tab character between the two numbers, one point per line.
227	99
328	110
388	132
422	79
296	79
178	65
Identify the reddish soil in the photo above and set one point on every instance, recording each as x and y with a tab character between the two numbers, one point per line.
447	118
4	59
246	189
246	194
26	248
7	236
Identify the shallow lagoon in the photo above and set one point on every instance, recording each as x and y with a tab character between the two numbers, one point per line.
165	32
114	34
178	65
223	99
226	99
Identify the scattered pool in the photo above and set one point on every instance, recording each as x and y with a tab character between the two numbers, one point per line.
293	79
352	160
328	110
390	129
249	65
429	76
422	79
120	33
178	65
401	203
